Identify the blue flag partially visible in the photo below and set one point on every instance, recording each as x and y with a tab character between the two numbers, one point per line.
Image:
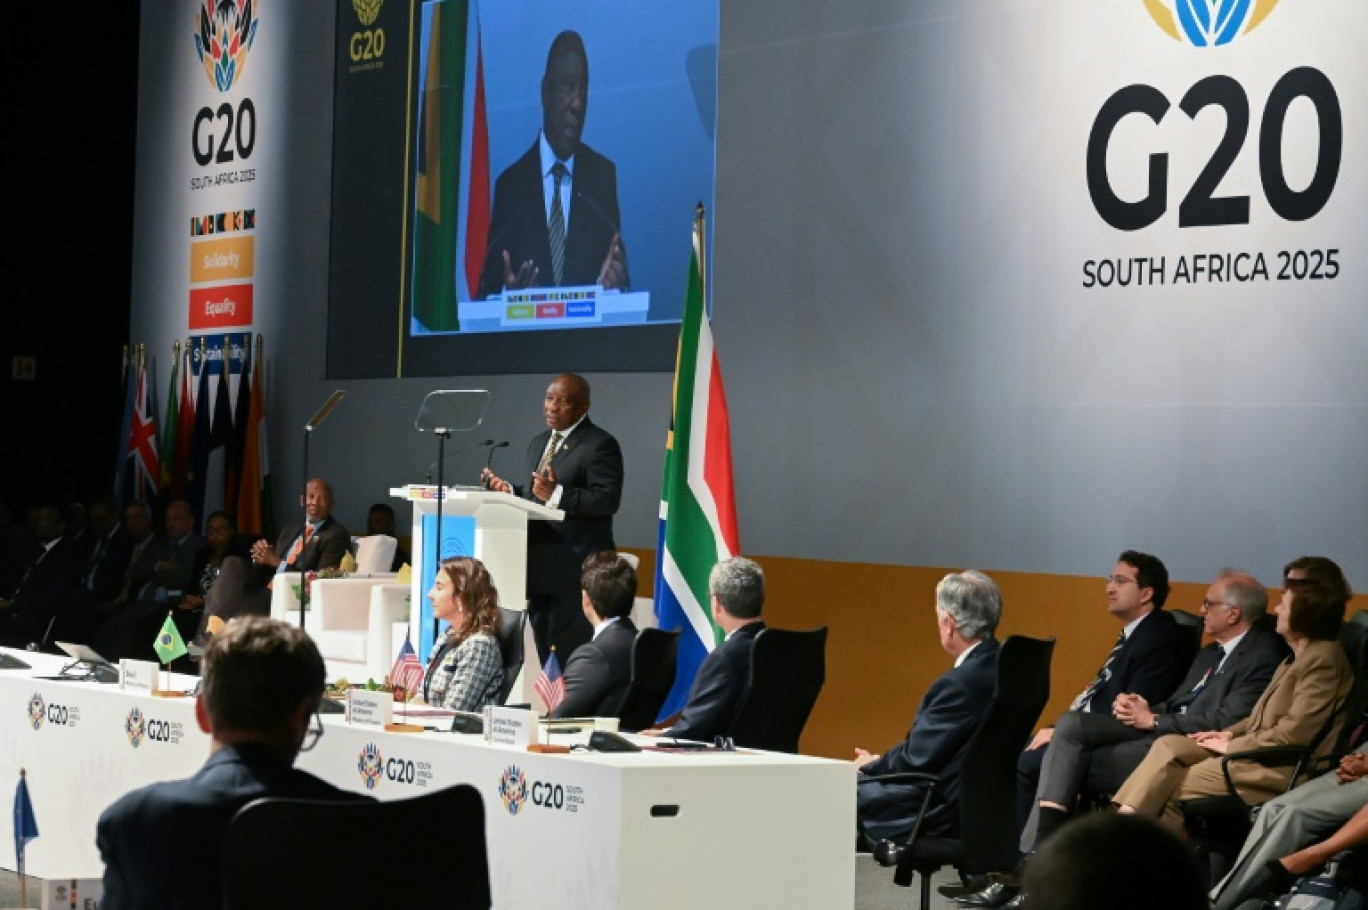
25	825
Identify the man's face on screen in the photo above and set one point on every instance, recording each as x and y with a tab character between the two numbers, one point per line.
565	99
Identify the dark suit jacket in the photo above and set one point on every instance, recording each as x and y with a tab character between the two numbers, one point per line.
173	565
162	845
589	469
324	550
722	680
1230	694
1111	750
597	674
1151	662
108	562
518	221
947	717
44	590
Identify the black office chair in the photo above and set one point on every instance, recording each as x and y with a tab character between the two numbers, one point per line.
653	674
787	671
512	626
988	833
281	854
1194	625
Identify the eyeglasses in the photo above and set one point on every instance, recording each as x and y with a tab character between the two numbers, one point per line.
313	734
1118	580
1213	604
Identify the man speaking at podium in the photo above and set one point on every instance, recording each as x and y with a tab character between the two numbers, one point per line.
555	221
574	466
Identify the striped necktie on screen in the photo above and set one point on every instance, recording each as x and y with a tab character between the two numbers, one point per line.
555	226
1081	703
552	448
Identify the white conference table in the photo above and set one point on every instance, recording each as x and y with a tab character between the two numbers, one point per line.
588	830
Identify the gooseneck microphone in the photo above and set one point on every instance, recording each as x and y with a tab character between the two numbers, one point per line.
495	445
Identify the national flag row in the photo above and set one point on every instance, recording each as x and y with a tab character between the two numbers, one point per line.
210	448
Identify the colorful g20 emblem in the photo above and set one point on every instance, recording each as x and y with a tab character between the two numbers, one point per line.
370	765
37	710
1208	23
136	727
513	789
225	32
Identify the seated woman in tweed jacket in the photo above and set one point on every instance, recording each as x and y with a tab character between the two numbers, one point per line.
466	669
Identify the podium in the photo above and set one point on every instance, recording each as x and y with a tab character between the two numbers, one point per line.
490	526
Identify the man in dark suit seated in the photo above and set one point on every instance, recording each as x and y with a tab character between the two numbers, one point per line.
968	608
597	674
162	845
131	631
555	219
1149	657
1096	752
319	543
46	585
574	466
737	590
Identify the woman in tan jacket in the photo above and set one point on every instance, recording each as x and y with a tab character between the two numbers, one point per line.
1304	699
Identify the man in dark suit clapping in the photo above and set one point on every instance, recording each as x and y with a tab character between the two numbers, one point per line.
574	466
597	674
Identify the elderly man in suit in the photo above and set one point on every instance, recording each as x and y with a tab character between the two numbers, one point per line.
574	466
318	543
736	588
258	701
597	674
555	220
1302	702
1096	752
968	608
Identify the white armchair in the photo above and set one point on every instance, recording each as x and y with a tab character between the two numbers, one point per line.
358	623
375	554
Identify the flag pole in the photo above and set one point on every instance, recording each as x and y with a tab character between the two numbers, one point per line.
23	882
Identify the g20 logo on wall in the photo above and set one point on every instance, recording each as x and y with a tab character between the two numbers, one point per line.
1208	23
367	46
227	29
227	133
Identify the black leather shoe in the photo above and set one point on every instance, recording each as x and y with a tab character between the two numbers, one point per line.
994	896
969	884
1016	903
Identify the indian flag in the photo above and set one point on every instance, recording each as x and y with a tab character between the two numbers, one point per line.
697	507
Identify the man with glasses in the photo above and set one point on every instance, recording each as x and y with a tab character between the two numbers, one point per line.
259	696
1148	659
1096	752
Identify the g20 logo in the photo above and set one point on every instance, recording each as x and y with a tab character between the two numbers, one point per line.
135	727
226	30
1201	207
370	765
513	789
37	710
370	43
1208	23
